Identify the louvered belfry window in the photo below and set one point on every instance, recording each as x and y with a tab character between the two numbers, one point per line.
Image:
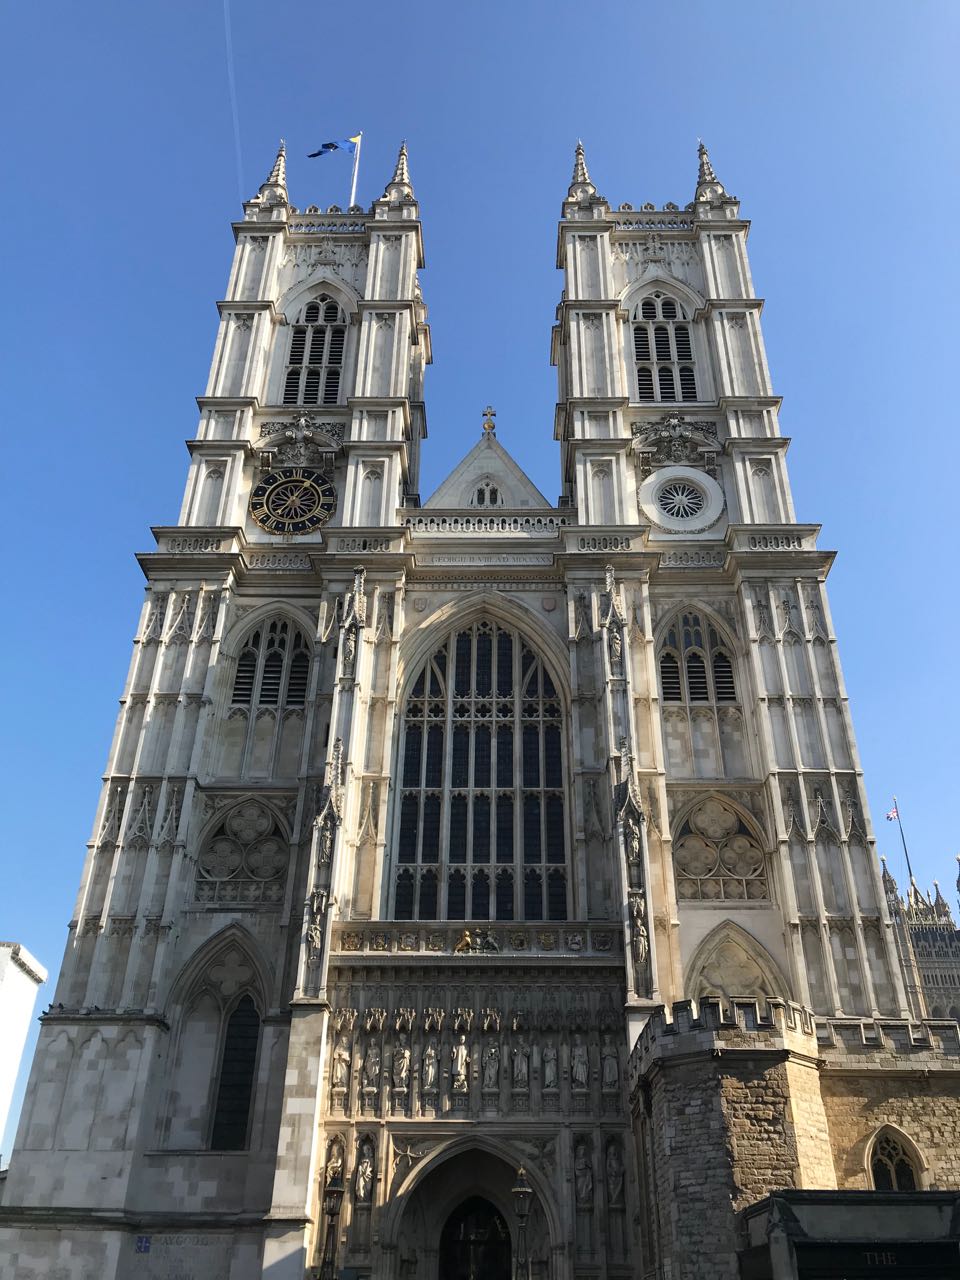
481	831
663	351
694	665
315	360
273	668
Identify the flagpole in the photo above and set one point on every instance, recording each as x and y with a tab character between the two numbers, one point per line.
356	166
903	840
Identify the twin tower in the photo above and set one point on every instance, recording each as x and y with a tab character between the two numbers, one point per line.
417	811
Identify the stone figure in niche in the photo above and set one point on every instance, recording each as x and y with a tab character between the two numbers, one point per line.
521	1066
429	1072
632	833
341	1064
549	1059
641	938
365	1172
334	1170
616	649
371	1066
461	1062
610	1066
491	1065
614	1173
401	1065
579	1064
583	1176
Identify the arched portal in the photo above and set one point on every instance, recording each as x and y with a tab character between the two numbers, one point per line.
463	1192
475	1243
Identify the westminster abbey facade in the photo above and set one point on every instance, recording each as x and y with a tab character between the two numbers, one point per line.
445	838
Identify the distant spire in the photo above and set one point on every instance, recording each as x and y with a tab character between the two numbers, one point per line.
400	187
709	186
274	190
580	185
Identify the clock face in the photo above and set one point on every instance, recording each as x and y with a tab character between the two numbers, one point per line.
293	500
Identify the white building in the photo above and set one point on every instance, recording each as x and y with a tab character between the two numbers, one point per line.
20	976
415	812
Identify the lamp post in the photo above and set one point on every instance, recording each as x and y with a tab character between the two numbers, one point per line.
522	1195
332	1200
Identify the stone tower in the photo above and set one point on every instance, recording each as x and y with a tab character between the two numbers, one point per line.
415	813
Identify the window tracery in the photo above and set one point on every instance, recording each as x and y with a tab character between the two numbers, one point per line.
663	351
892	1167
717	857
702	715
244	860
481	830
315	358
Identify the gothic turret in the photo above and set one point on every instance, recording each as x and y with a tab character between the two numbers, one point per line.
274	190
709	186
400	187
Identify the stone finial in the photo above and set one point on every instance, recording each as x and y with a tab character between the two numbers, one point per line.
889	884
274	190
709	186
489	414
581	188
400	187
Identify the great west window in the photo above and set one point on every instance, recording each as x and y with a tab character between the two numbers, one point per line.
481	829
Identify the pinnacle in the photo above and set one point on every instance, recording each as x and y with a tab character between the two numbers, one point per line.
580	185
709	186
400	185
275	187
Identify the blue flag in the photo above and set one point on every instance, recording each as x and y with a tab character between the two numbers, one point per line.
342	144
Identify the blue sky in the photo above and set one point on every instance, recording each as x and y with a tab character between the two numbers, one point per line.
835	124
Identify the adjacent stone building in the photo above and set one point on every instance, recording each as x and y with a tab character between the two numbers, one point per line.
418	816
20	977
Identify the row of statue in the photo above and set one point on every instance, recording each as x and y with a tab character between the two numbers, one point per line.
490	1065
364	1172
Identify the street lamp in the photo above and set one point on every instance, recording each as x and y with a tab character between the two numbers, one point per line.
332	1200
522	1195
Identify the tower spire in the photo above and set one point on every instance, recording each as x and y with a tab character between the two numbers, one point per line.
400	187
709	186
274	190
580	185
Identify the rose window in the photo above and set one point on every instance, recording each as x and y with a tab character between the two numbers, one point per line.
245	860
717	858
681	500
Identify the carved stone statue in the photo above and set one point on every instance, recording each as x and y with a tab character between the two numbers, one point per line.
491	1065
461	1062
579	1064
340	1070
521	1065
549	1059
429	1072
614	1174
371	1066
632	838
365	1165
334	1168
641	939
583	1176
401	1065
609	1065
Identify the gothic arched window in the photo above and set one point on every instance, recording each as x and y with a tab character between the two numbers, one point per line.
663	351
273	667
702	717
315	359
892	1166
243	861
481	829
238	1064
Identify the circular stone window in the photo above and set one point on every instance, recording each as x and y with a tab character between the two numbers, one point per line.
681	500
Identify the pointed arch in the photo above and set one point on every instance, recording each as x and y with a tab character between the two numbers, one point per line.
404	1192
194	974
731	963
294	299
481	818
638	289
894	1162
485	606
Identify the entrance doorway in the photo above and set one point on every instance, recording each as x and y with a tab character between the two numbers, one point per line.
475	1243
